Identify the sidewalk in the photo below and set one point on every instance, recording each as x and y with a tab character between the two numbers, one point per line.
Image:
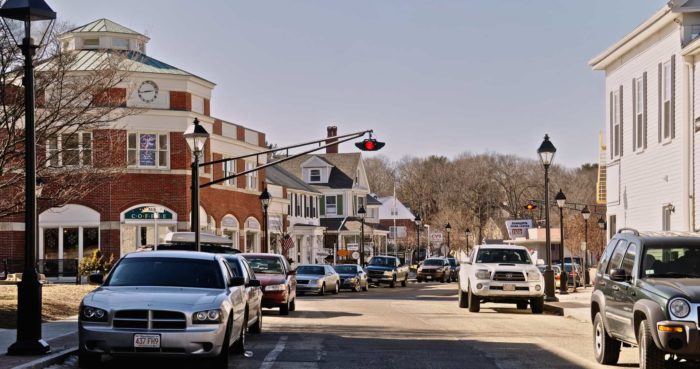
61	335
574	305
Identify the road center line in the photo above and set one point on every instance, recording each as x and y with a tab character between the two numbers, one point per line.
271	357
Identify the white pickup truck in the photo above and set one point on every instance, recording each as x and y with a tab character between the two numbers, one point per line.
503	274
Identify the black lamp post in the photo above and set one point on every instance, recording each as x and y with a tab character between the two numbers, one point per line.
265	201
586	214
563	277
18	16
419	223
361	212
467	234
546	153
196	137
448	228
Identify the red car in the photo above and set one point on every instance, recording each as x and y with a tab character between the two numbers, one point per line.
277	279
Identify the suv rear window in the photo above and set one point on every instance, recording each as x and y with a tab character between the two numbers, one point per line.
669	261
503	256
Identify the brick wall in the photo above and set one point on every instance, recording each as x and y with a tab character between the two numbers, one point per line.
180	100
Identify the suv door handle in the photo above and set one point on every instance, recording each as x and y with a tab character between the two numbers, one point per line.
602	284
615	287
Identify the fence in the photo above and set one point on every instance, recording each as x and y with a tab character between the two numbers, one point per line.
51	268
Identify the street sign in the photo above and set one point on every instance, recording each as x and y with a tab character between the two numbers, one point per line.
518	227
355	255
352	247
343	253
436	237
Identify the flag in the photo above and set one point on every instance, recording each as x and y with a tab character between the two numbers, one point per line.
287	244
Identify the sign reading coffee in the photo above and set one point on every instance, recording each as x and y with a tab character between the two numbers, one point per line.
147	212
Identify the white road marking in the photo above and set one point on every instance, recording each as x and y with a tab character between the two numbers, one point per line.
271	357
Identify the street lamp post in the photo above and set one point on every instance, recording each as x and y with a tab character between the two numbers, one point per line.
546	153
196	137
448	228
27	12
467	234
418	222
362	212
563	277
586	214
265	201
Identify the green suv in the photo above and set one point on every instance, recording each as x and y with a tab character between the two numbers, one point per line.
647	294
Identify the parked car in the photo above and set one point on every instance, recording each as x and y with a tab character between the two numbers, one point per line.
578	277
317	278
164	303
278	281
434	269
647	294
454	267
388	270
253	291
557	273
352	277
501	273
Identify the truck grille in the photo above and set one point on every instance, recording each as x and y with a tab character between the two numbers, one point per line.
149	319
302	281
509	276
377	274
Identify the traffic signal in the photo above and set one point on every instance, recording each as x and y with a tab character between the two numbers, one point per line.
530	207
369	144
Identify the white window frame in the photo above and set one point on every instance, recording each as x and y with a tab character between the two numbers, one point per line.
332	209
120	47
228	168
158	150
86	46
252	177
639	109
312	175
617	135
59	150
666	101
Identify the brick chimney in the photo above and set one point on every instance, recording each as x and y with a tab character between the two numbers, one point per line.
332	132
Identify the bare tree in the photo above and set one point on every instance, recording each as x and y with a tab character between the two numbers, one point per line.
380	175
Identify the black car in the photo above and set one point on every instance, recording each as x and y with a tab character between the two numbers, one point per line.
647	294
352	277
388	270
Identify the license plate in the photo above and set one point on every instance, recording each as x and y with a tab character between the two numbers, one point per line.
147	341
508	287
429	277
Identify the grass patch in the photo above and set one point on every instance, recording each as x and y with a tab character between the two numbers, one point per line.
59	301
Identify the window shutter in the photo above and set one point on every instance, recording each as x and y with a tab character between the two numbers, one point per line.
323	205
661	106
339	204
673	96
611	132
622	126
644	113
634	114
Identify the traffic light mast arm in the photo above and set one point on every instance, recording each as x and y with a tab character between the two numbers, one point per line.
341	139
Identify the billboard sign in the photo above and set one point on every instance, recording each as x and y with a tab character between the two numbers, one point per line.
518	228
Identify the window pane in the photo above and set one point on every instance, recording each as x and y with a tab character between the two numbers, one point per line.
132	140
87	141
91	241
628	261
132	157
51	243
163	142
87	157
147	154
163	158
70	243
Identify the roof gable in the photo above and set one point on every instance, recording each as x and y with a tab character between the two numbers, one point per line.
315	161
281	177
104	25
344	168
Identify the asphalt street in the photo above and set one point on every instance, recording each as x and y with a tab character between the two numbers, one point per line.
419	326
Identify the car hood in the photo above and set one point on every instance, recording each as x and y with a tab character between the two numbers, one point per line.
270	279
517	268
380	268
668	287
347	275
309	276
431	267
167	298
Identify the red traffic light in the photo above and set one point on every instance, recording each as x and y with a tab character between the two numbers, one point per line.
369	144
530	207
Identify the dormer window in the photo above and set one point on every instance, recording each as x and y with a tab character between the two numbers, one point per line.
315	175
120	43
91	43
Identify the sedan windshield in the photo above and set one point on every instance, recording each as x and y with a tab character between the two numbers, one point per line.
382	261
265	265
348	269
671	262
434	262
167	272
453	262
503	256
311	270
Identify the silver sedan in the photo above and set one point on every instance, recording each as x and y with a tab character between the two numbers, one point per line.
164	304
317	278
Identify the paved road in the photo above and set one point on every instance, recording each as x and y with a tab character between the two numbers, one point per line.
419	326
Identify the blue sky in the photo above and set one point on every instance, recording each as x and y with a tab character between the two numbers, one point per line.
430	77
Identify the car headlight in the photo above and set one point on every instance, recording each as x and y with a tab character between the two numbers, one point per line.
93	314
212	316
420	269
353	279
388	274
276	287
679	307
533	276
483	274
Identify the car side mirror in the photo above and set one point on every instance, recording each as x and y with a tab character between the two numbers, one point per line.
237	281
292	272
254	283
619	275
96	278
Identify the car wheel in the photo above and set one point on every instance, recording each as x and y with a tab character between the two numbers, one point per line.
257	327
536	305
284	308
650	357
322	291
88	359
463	299
404	283
419	280
366	287
293	305
221	360
239	345
605	348
336	289
474	302
357	287
521	305
393	283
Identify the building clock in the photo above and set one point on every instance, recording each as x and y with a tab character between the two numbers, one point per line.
148	91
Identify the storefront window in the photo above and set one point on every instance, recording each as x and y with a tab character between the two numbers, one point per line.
70	243
91	241
51	243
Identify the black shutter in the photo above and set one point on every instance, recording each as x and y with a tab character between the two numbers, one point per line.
661	106
673	96
634	114
644	113
612	129
622	126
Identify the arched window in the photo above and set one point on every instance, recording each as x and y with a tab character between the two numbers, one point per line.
252	235
145	225
231	229
68	232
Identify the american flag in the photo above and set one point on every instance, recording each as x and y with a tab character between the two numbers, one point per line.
287	244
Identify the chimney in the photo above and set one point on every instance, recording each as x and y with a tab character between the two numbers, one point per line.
332	132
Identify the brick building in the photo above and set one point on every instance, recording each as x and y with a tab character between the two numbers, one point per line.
152	197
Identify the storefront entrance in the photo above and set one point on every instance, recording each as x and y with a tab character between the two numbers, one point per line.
146	226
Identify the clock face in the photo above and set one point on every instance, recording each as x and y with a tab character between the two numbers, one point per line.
148	91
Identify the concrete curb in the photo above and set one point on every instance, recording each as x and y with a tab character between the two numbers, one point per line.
552	309
49	360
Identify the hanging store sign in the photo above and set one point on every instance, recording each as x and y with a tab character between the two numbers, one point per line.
518	228
148	212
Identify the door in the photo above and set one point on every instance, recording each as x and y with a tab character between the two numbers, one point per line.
624	293
615	319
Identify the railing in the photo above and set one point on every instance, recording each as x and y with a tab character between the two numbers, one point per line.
51	268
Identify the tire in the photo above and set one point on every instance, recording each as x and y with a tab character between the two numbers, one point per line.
536	305
366	287
463	299
293	305
322	291
284	308
393	283
474	302
521	305
221	360
337	288
605	348
89	360
239	346
404	283
444	279
419	280
650	357
257	327
357	288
